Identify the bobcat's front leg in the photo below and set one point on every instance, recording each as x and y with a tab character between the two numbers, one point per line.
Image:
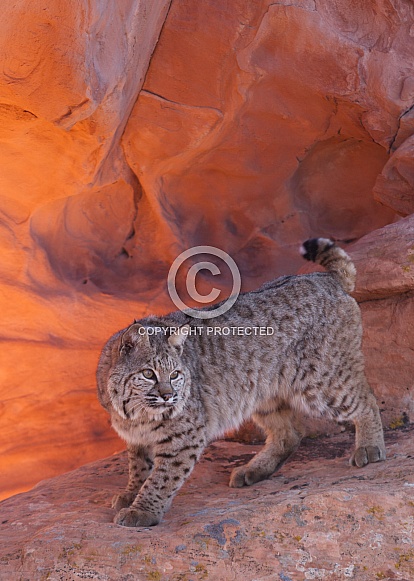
140	465
171	469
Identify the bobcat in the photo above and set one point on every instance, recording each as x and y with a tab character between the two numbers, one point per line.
171	387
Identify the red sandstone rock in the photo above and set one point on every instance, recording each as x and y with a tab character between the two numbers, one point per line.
318	518
281	145
385	261
259	125
388	346
395	184
385	289
69	79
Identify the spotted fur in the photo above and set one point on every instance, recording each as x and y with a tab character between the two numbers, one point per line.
171	393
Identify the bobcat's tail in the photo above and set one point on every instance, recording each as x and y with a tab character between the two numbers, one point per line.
334	259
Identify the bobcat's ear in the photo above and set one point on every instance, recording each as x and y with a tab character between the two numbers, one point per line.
178	338
134	333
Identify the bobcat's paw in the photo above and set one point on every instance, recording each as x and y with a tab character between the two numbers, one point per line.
366	455
123	500
135	517
242	476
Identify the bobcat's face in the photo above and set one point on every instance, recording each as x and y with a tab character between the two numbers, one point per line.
148	377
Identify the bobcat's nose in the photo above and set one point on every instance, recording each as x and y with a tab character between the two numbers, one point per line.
166	396
165	391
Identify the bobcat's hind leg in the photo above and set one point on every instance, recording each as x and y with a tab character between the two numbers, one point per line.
281	441
361	408
369	436
140	466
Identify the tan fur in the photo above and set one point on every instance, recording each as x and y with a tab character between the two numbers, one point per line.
169	394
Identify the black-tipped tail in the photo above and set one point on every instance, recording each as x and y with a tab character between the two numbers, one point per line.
336	261
312	248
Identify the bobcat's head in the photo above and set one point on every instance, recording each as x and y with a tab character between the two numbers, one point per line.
147	377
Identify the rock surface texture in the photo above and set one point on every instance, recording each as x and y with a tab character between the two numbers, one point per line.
317	518
131	131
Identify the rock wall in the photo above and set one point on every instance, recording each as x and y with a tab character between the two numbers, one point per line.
71	75
385	262
251	127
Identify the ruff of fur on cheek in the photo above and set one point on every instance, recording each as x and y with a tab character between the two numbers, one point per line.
138	406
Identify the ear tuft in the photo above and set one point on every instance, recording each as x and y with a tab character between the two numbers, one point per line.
178	338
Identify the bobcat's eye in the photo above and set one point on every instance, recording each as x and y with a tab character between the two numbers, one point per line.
148	373
174	375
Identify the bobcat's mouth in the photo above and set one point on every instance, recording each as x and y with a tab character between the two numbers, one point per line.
157	402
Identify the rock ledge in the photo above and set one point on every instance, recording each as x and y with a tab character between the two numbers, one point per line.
317	518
